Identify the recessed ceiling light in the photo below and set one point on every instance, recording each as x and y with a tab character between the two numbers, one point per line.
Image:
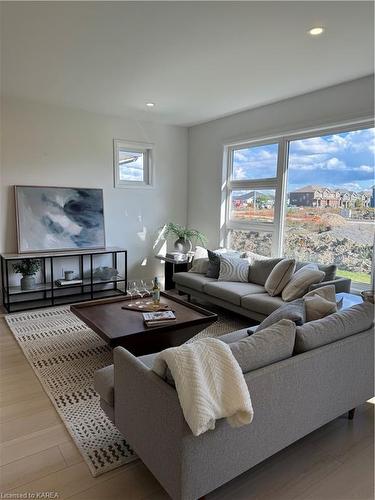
150	104
318	30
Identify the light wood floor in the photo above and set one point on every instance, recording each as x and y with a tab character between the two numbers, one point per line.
38	455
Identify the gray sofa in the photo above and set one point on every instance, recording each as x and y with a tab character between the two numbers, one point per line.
248	299
291	398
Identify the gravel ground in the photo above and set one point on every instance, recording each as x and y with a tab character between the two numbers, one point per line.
360	232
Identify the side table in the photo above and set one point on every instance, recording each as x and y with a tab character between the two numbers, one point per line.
172	266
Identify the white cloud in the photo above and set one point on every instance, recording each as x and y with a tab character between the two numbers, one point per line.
365	168
335	164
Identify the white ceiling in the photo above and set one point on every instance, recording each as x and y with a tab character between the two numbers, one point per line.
196	60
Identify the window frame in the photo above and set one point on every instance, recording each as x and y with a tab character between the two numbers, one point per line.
279	183
146	149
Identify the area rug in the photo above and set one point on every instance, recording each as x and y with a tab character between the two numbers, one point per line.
64	354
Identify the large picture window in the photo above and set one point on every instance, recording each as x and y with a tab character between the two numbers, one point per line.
307	197
252	182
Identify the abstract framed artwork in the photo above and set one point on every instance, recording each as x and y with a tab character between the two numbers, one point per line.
59	218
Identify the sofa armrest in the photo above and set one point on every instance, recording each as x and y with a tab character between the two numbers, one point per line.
149	415
341	284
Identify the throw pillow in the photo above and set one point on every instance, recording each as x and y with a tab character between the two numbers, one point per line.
263	348
260	270
334	327
233	269
200	266
213	270
300	282
294	311
251	256
200	253
329	269
328	292
318	307
279	277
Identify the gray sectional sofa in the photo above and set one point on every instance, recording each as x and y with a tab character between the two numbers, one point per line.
248	299
330	373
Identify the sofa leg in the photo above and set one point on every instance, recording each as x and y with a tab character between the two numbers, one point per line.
351	414
189	300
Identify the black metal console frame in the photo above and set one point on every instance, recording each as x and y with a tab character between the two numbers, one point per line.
48	289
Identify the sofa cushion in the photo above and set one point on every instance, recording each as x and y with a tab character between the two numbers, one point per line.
300	282
265	347
213	269
279	277
329	270
294	311
260	270
148	359
328	292
231	292
199	266
334	327
318	307
200	253
228	338
233	269
104	384
252	256
192	280
261	303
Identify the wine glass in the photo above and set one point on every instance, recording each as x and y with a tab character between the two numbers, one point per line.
147	287
131	289
137	290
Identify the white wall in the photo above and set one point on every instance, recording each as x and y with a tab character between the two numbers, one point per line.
47	145
332	105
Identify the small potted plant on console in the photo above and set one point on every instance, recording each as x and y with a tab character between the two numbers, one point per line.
28	268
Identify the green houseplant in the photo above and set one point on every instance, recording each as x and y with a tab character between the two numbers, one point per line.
184	236
28	268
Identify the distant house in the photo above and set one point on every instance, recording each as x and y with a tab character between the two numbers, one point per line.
321	197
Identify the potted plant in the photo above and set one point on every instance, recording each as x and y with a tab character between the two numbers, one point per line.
184	236
28	268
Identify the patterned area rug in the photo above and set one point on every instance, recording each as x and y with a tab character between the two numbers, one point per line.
64	354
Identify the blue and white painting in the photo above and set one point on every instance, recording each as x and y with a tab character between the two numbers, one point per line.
58	218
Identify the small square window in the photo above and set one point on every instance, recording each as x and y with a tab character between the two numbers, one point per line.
132	164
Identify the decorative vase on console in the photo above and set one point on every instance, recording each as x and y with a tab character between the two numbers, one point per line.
183	244
28	268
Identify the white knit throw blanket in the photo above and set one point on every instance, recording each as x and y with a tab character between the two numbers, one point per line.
209	383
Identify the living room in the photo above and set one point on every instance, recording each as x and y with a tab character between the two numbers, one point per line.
211	163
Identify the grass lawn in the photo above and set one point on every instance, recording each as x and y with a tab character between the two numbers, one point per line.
360	277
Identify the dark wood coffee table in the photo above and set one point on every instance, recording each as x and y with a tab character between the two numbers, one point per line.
125	327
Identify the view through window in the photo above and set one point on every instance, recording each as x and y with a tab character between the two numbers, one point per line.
329	200
132	164
252	191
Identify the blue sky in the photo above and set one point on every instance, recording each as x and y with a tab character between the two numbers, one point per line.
133	170
343	161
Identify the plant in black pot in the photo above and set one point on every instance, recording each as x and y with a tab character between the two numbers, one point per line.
184	236
28	268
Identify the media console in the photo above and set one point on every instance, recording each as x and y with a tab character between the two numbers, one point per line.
46	293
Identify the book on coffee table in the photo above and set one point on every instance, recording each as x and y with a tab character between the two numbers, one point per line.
158	318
